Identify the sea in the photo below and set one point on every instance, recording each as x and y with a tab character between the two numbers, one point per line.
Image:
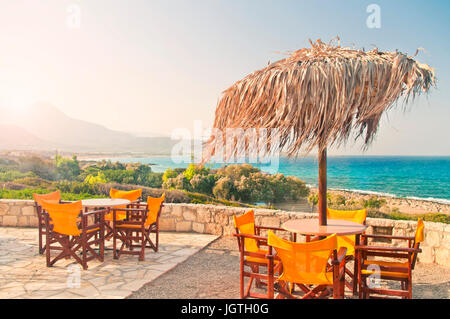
414	177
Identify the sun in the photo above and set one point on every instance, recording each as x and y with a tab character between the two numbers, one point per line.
16	100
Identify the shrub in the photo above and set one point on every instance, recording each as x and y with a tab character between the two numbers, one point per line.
34	181
373	202
28	194
9	176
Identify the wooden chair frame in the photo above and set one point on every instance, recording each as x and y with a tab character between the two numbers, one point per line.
42	229
353	283
135	223
261	280
406	253
92	234
108	223
337	265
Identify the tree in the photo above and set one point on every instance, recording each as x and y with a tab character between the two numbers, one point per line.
224	188
179	182
154	180
169	173
195	170
99	178
67	169
38	166
203	183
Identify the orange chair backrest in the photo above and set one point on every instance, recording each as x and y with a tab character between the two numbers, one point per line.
419	236
132	195
356	216
54	197
153	206
302	260
246	225
64	216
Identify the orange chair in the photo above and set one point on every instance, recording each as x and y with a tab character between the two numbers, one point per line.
54	197
399	270
306	265
252	254
356	216
134	196
68	226
139	222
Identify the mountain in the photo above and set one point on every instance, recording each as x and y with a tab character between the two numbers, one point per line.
13	136
44	126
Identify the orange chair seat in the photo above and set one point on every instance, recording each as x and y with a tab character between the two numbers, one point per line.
93	229
385	273
129	226
119	216
386	264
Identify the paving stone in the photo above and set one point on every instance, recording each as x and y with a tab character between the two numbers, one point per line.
23	272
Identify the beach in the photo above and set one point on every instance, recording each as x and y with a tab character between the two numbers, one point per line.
404	205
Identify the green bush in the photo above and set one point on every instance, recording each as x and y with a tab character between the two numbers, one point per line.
28	194
34	181
397	215
9	176
373	202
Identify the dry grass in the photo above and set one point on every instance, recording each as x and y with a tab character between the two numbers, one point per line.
318	96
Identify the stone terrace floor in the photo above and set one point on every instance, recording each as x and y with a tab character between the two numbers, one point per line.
24	274
188	265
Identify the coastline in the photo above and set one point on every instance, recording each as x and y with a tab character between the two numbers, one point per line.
405	205
411	204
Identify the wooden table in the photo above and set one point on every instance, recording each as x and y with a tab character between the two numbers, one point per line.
311	227
104	202
108	203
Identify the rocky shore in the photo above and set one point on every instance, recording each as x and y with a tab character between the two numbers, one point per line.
404	205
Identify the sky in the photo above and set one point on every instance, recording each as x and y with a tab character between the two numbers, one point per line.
153	66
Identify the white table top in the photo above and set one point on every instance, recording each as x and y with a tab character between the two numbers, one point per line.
104	202
334	226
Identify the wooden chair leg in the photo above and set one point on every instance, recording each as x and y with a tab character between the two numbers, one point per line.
409	285
142	255
41	248
102	244
84	250
47	249
258	283
355	278
157	238
241	287
115	244
361	288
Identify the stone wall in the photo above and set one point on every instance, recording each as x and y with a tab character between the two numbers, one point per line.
218	220
16	212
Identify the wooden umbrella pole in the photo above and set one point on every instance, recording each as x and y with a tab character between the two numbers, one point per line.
323	186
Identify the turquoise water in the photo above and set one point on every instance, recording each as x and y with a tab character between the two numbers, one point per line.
404	176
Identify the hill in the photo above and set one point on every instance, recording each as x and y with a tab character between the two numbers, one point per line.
44	126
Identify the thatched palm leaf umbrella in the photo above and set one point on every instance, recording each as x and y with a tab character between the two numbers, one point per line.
318	96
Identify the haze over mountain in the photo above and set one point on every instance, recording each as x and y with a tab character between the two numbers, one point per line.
43	126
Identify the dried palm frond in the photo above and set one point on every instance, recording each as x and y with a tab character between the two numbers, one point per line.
317	96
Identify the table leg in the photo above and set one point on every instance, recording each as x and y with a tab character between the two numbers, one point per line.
109	211
355	268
